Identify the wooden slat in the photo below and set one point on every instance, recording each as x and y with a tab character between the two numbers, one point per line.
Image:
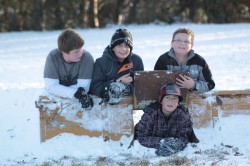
55	119
218	105
200	110
148	83
119	120
236	104
232	92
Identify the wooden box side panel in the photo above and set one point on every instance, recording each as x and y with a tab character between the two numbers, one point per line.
200	109
118	120
234	104
112	121
148	84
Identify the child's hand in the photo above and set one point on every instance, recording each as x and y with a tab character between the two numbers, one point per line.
125	79
185	82
169	146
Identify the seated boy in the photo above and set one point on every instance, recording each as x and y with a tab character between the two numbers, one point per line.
181	56
68	69
114	70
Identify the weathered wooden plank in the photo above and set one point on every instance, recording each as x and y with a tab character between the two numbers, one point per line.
200	109
59	116
148	84
234	102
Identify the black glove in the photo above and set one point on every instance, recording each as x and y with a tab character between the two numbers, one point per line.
85	100
169	146
105	96
113	93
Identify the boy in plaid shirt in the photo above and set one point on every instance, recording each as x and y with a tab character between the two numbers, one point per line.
166	126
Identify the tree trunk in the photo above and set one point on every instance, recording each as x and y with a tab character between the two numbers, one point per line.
93	14
5	19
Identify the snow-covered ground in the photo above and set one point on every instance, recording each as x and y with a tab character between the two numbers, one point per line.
226	48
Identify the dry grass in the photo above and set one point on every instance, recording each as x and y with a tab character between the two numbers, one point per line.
211	157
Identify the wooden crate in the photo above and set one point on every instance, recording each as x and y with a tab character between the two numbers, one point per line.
58	115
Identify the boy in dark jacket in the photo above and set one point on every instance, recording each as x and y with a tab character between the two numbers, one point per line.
182	57
167	127
114	71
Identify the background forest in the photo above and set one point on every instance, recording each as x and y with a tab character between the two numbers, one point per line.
38	15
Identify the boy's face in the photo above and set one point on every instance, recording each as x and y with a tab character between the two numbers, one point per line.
73	56
182	44
121	51
169	104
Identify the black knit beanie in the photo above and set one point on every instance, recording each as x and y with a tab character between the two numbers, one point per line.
121	36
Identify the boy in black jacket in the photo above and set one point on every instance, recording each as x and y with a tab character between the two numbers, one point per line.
182	57
114	71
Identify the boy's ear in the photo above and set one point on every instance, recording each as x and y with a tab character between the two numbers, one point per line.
64	52
172	43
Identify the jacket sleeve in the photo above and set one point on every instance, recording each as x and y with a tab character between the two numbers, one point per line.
85	83
53	87
208	77
205	81
139	64
144	131
160	63
99	80
185	126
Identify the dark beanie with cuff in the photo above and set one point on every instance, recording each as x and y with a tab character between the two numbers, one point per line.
121	36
